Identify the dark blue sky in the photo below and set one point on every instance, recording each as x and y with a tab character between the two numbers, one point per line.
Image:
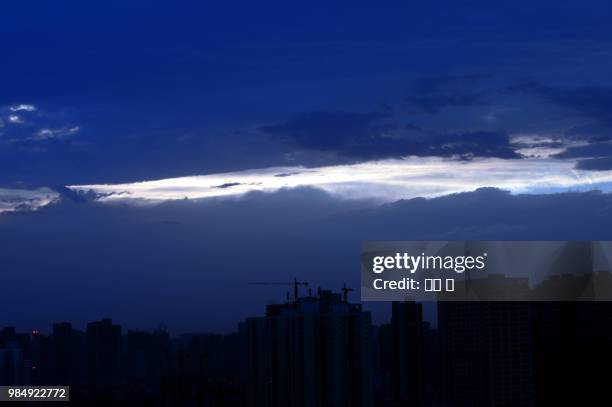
370	103
162	89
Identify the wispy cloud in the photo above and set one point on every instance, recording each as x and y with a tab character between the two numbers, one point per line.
31	124
13	200
15	119
46	134
535	145
385	180
22	107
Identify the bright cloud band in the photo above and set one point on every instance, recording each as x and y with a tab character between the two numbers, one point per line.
385	180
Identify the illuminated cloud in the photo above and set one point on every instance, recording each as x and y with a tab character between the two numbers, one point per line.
15	119
384	180
543	146
13	200
31	125
45	134
22	107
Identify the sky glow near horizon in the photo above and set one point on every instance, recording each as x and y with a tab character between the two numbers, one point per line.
384	180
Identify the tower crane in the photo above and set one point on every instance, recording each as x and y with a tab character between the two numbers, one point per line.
295	285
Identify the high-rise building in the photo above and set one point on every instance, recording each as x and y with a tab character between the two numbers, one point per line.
12	363
312	351
67	346
402	355
572	352
11	366
487	347
103	354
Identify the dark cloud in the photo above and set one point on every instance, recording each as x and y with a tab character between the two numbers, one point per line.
331	130
433	94
489	213
477	143
146	265
593	131
592	150
76	196
287	174
590	101
595	164
435	103
228	185
434	84
593	157
374	135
